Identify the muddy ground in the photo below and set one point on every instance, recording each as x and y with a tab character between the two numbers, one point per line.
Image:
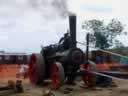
29	90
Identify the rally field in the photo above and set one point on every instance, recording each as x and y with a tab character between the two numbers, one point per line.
29	90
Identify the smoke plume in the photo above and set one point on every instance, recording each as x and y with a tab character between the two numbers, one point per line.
51	8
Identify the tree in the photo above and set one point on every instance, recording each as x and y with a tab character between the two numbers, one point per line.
103	36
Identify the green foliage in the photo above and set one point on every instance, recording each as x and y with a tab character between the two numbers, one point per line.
103	36
119	50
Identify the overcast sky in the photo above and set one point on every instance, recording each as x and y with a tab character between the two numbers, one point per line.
25	25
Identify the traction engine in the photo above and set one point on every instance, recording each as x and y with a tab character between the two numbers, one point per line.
61	62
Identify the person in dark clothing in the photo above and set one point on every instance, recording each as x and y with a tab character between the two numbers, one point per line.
65	41
99	60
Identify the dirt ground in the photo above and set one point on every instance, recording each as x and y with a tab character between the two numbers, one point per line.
29	90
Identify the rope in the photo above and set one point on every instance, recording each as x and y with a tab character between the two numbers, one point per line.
116	54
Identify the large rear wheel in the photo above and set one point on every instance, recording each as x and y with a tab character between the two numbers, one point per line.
36	69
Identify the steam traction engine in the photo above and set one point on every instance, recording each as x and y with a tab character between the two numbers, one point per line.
60	62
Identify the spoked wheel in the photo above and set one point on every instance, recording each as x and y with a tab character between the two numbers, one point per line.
57	75
89	78
36	69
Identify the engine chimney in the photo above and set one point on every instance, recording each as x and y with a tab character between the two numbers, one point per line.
72	26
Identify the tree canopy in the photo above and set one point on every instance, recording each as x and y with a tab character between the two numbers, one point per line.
101	35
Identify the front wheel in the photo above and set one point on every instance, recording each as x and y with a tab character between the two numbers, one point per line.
57	75
89	78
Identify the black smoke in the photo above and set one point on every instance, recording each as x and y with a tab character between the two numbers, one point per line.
51	8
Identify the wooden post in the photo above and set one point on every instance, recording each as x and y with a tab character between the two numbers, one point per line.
87	46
